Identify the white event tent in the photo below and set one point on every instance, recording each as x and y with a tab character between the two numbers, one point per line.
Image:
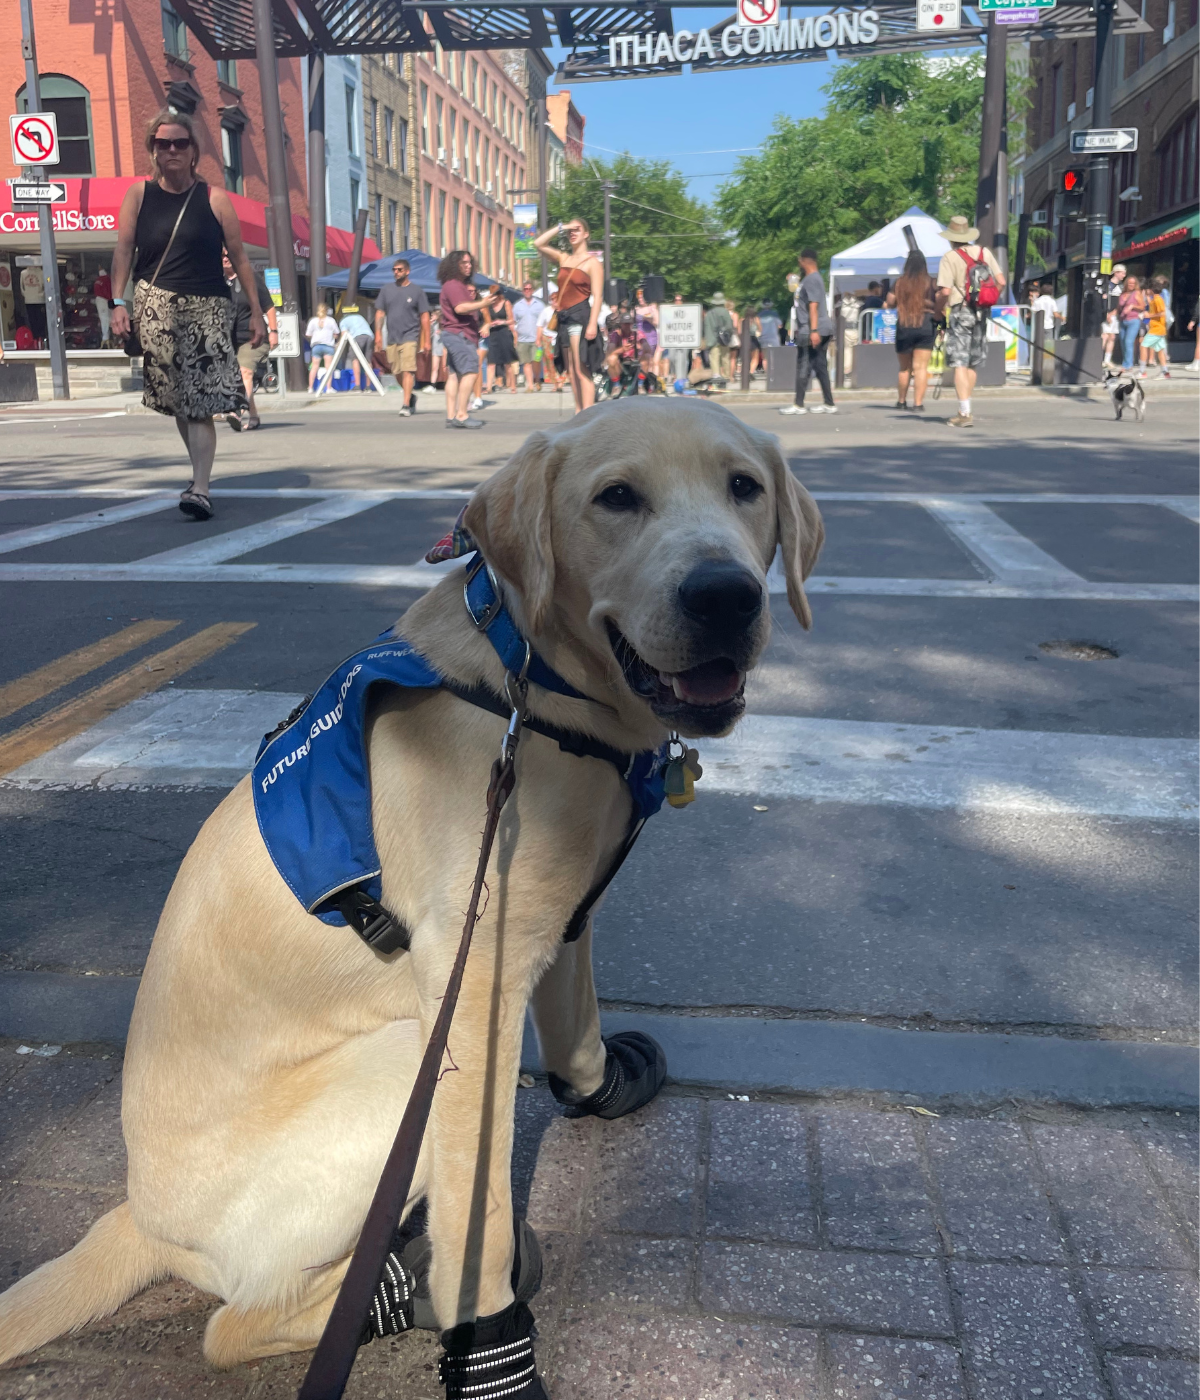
883	253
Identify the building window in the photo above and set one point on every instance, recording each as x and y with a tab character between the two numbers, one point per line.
487	164
379	219
1177	173
428	224
389	122
231	158
425	120
403	146
71	104
391	228
454	207
442	223
440	129
174	32
351	124
373	134
227	71
474	84
475	151
355	188
1124	177
406	226
453	145
1056	98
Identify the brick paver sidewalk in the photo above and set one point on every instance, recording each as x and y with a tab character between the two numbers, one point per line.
709	1249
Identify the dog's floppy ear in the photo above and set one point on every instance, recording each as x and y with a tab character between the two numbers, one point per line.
509	517
799	530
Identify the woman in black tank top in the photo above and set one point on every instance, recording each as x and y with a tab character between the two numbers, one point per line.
171	234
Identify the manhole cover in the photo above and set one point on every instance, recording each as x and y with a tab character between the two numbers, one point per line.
1078	651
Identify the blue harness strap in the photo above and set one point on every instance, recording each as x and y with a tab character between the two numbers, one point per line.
312	785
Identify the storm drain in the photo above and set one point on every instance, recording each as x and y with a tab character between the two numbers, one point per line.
1078	651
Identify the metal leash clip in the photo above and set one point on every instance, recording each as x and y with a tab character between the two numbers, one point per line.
516	692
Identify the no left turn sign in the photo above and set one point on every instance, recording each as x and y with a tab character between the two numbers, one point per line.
34	138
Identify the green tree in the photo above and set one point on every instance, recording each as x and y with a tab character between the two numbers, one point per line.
898	130
657	227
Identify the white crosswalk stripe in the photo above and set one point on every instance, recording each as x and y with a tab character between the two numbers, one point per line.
208	738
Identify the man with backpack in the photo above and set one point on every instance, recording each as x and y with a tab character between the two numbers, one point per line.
969	283
718	336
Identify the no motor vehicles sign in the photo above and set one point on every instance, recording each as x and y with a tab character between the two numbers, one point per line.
34	138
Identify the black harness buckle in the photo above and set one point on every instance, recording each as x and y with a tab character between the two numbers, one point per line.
372	922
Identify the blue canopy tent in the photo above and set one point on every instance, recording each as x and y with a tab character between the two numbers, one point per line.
374	276
882	254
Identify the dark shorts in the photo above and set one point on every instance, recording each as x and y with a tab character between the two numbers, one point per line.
909	338
575	318
462	355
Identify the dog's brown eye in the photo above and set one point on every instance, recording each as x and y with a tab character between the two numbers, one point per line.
619	497
744	488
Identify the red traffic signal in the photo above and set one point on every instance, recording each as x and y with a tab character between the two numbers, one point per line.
1074	180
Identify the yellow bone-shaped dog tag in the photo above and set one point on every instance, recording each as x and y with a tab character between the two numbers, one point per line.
681	776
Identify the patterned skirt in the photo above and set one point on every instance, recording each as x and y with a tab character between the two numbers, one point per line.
190	368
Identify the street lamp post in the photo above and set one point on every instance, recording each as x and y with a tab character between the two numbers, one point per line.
1099	176
991	203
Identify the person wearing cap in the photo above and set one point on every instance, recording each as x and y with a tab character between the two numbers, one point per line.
718	335
966	328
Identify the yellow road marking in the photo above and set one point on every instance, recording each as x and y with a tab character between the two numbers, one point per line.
40	735
38	684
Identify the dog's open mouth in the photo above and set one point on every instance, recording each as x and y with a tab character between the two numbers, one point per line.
709	695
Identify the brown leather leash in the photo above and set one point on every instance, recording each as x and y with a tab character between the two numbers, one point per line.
333	1359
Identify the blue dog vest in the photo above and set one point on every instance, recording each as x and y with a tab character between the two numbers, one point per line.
312	785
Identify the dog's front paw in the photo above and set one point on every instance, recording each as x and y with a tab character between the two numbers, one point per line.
633	1073
492	1357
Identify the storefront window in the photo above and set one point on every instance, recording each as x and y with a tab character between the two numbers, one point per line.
70	103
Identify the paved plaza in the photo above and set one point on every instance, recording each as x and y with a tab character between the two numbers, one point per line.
922	953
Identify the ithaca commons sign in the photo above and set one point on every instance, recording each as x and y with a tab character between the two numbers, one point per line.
829	31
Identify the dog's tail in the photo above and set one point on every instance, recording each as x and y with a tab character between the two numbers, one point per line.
112	1262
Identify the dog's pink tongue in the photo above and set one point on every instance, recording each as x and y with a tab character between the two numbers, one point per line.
710	683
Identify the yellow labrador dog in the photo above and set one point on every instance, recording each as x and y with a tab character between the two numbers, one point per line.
270	1056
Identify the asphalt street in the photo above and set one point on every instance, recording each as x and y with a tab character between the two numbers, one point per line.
966	802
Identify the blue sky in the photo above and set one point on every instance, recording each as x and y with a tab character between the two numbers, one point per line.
697	121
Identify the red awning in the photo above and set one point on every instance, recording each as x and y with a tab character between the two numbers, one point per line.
93	206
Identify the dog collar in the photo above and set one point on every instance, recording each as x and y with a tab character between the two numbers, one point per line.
485	604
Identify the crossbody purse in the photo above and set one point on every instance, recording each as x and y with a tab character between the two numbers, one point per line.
133	341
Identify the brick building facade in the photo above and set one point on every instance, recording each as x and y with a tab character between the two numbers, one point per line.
389	109
1157	89
473	152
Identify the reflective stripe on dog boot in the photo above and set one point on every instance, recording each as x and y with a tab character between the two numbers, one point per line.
392	1303
633	1073
492	1358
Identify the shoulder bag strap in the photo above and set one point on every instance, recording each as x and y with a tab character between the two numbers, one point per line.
174	231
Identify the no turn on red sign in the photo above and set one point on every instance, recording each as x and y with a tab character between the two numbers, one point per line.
758	11
34	138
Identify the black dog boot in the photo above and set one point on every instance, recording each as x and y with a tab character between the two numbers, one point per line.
526	1271
492	1358
633	1074
393	1304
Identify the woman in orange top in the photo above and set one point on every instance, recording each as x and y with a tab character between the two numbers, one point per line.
580	292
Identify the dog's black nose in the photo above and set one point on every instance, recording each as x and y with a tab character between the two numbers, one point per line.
722	596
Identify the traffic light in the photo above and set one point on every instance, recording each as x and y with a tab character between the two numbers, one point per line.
1074	180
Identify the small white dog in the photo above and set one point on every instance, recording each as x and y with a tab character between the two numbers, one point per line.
1126	392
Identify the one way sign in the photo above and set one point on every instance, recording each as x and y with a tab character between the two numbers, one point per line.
1104	138
23	192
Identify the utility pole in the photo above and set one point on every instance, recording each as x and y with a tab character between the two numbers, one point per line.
316	175
991	201
279	212
607	187
54	320
1099	176
543	216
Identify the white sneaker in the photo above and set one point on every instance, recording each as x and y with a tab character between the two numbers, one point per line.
824	408
476	403
793	408
429	389
1194	366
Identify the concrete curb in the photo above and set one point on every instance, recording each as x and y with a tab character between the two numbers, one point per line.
746	1054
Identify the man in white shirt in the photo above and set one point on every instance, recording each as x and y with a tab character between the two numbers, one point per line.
526	313
1041	300
966	326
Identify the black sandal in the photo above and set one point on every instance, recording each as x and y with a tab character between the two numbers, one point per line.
195	504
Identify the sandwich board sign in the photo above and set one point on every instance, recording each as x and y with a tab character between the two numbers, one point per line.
34	137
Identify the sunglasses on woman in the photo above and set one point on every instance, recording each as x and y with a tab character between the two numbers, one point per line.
177	143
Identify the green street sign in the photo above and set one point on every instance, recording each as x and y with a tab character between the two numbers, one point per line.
984	6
